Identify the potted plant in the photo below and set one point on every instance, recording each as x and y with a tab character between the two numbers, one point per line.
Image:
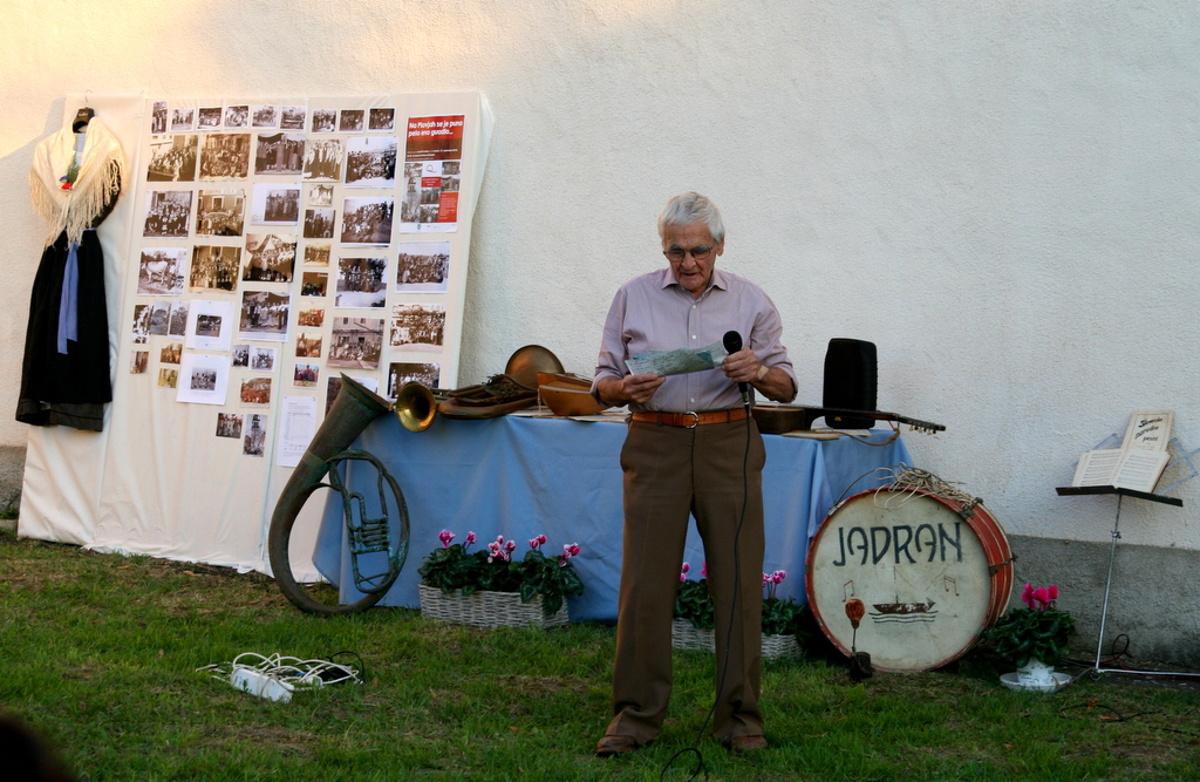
488	587
1033	637
694	616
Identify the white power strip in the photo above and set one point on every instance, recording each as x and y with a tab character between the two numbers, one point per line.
258	683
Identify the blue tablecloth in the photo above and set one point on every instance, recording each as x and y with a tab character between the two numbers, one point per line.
520	476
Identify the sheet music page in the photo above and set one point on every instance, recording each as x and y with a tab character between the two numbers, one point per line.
1097	468
1140	469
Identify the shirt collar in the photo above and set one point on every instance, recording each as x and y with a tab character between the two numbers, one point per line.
667	280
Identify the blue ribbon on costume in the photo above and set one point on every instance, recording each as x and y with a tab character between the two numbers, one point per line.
68	303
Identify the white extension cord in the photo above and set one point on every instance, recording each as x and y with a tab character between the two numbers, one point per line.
276	677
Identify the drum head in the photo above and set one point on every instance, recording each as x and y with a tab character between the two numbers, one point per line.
923	581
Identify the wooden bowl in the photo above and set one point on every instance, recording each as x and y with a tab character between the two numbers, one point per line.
567	394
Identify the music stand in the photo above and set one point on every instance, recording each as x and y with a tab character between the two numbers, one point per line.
1121	495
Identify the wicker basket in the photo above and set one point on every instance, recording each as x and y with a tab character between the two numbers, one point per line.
685	636
488	609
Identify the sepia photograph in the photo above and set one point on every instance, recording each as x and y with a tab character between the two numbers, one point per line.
170	353
350	121
361	282
262	359
158	117
292	117
316	253
423	267
323	160
275	204
208	118
214	266
141	324
324	120
179	317
172	159
183	119
220	212
264	116
225	156
356	343
279	153
255	441
168	213
160	315
367	220
381	119
237	116
318	223
229	425
139	361
314	283
264	315
168	378
160	271
269	258
308	344
371	161
320	195
314	318
428	375
418	326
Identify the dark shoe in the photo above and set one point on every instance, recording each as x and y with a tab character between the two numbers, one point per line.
616	745
740	745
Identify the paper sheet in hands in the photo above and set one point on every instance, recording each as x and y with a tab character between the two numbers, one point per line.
677	362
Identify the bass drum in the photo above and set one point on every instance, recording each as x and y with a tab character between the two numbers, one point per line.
922	576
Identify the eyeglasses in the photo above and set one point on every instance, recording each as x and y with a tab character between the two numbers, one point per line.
699	252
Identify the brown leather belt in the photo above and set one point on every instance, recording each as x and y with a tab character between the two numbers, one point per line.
691	420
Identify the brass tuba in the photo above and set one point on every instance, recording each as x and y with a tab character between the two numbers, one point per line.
352	411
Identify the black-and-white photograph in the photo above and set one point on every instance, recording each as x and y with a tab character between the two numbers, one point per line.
168	213
381	119
161	271
275	204
255	441
173	159
423	267
229	425
371	161
306	375
428	375
314	318
202	379
279	153
367	220
179	318
158	117
292	117
160	316
225	156
308	344
170	353
237	116
209	325
314	283
361	282
215	266
350	120
183	119
324	120
141	324
269	258
317	253
264	116
323	160
319	223
262	359
168	378
208	118
418	326
256	392
356	343
320	195
264	315
139	361
240	356
220	212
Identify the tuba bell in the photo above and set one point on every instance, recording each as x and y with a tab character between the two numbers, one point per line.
415	407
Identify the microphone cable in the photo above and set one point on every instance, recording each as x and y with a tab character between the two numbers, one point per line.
694	748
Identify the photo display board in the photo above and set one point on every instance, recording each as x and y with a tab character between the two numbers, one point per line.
269	246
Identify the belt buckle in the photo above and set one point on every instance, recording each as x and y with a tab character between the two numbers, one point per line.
695	420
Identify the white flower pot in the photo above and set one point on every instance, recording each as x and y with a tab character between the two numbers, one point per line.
1036	674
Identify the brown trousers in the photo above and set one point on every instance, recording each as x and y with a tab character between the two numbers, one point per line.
669	473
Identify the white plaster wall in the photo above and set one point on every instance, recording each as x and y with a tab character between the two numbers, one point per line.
1002	195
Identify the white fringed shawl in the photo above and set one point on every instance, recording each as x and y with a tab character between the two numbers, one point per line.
73	205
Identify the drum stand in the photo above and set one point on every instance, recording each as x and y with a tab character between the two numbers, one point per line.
1112	553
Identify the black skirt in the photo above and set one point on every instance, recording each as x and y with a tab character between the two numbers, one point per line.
69	388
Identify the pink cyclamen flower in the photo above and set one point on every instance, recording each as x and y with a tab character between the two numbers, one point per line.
684	571
510	546
704	569
535	542
1027	596
778	576
767	579
445	536
1042	595
470	538
571	550
1053	591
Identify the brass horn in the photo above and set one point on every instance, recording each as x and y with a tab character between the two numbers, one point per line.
354	408
415	407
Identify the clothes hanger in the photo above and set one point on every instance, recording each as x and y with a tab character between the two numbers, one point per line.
83	116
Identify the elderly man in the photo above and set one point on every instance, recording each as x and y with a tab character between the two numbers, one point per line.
692	448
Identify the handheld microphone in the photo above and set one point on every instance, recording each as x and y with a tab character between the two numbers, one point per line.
733	343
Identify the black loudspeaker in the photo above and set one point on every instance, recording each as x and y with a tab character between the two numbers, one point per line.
850	381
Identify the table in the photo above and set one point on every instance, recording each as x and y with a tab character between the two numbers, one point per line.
522	476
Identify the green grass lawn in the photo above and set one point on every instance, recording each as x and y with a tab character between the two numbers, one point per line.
101	653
